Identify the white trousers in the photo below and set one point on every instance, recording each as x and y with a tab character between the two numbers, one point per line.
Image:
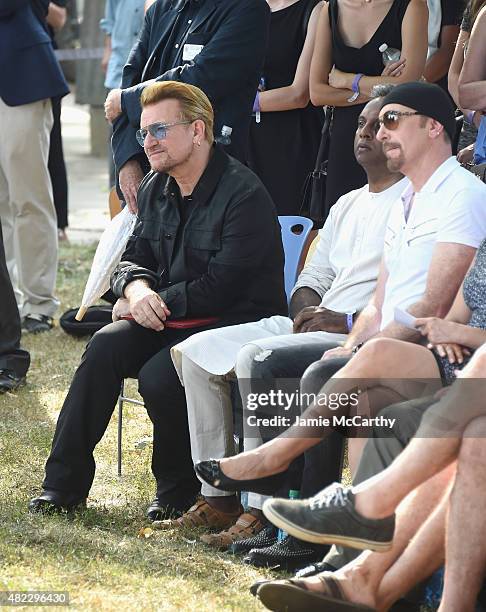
208	394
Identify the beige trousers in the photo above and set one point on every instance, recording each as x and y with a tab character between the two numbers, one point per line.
26	205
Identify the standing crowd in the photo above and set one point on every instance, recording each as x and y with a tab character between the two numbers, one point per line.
219	110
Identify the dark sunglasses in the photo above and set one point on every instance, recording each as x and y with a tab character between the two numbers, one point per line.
391	119
157	130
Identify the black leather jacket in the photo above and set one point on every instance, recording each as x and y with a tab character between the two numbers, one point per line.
226	260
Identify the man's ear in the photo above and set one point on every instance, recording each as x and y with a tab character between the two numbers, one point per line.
435	128
199	130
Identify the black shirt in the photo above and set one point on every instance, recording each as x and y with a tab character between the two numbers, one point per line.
225	260
168	55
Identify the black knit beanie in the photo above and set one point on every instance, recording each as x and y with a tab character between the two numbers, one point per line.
427	99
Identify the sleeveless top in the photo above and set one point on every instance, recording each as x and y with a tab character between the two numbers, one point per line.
367	59
343	171
474	292
283	146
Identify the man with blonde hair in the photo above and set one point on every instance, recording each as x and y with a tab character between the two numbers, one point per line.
196	252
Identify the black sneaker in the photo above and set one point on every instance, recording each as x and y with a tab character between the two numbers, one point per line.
287	554
37	323
330	518
266	537
9	381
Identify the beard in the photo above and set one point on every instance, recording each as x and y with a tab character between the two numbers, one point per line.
165	164
394	164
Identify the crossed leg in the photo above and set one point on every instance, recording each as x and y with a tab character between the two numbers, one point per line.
406	369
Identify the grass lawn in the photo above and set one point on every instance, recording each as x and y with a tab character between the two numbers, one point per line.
99	556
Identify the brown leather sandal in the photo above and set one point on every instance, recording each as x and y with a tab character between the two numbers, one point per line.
201	515
246	526
294	596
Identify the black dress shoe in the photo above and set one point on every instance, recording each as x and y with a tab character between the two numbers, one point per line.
159	511
37	323
56	502
266	537
166	507
9	381
288	554
211	473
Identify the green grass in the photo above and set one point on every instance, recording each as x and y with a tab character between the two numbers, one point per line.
98	556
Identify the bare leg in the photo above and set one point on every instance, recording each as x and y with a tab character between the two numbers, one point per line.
426	455
379	579
423	555
466	525
403	363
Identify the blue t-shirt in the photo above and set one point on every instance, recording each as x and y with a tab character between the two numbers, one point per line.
123	21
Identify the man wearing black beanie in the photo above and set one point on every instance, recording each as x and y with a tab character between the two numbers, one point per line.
431	238
426	99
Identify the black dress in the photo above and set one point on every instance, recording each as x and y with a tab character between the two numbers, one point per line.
344	172
283	146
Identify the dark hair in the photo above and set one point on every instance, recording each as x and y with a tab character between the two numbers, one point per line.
475	6
380	91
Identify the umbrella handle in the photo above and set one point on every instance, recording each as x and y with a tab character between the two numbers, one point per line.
81	312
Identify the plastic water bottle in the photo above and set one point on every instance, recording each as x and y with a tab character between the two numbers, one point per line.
281	534
225	138
389	54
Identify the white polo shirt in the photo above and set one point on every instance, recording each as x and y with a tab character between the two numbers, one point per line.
451	207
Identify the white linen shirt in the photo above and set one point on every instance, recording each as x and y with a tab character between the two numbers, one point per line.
450	207
344	267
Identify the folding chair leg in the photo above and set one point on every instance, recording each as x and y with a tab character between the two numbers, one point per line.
120	423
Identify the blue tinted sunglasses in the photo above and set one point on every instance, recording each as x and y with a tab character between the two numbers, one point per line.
157	130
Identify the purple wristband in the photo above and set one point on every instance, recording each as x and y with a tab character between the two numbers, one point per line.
256	103
349	321
356	80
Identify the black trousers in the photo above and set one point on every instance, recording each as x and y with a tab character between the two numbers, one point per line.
322	464
57	167
121	350
12	357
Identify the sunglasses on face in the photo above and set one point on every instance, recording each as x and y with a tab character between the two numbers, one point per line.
157	130
391	119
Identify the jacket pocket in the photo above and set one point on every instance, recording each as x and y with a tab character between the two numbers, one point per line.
201	246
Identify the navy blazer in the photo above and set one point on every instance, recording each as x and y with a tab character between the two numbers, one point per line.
228	69
29	70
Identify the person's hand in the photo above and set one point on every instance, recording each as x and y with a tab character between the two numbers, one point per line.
339	351
338	79
438	331
455	353
317	318
105	59
466	155
147	307
394	69
120	309
113	105
130	177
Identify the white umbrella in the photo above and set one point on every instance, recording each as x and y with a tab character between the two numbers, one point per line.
108	253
